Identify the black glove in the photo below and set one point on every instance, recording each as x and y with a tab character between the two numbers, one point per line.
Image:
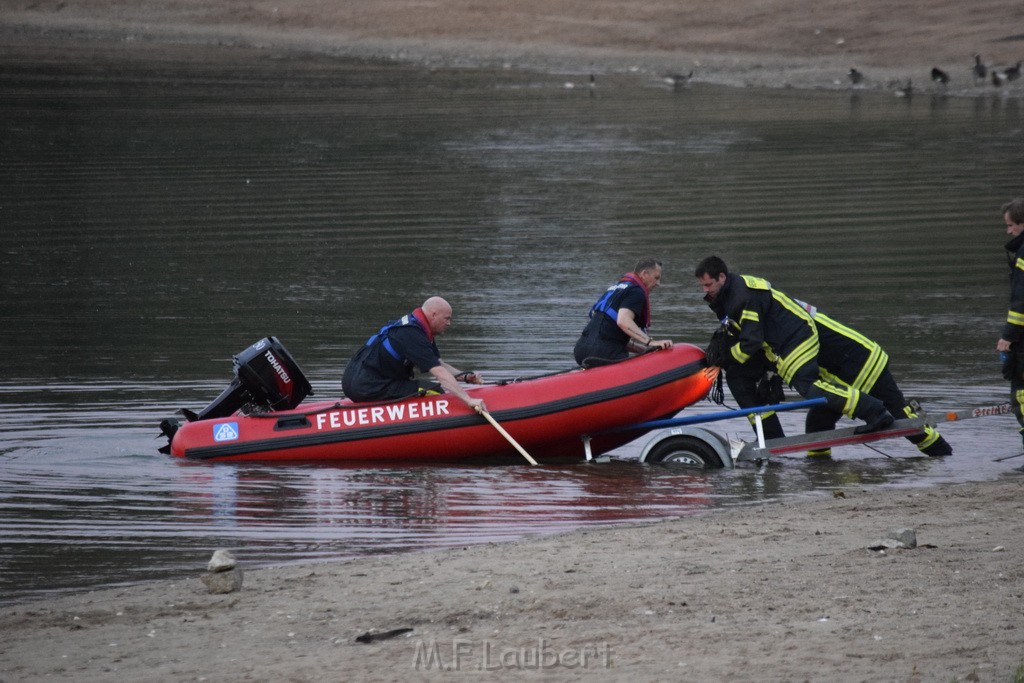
717	352
769	389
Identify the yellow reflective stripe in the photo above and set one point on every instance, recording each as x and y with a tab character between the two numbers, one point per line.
877	357
829	377
850	409
1019	263
1015	318
868	375
850	395
931	436
793	307
738	355
798	357
756	282
764	416
746	316
842	329
808	349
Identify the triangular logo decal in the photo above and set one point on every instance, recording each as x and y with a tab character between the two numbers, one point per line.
225	431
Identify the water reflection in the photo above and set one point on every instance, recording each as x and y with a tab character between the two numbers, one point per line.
159	218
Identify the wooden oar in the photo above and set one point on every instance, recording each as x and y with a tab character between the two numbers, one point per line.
508	437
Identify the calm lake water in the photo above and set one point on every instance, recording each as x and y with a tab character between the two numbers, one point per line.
159	217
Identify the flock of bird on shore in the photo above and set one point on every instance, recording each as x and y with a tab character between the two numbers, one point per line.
981	73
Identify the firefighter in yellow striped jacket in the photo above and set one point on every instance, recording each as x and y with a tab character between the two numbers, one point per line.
848	357
770	326
1011	341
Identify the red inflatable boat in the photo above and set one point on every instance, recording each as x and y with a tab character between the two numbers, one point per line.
258	417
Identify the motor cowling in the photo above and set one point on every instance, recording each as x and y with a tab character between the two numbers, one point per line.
266	376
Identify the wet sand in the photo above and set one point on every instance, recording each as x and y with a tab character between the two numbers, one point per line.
776	591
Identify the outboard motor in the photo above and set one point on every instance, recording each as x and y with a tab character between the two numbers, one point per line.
266	376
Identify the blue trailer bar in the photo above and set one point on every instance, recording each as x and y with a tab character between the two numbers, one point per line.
715	417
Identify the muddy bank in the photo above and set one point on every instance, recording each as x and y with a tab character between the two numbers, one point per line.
789	587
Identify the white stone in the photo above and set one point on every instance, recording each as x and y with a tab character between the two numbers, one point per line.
221	561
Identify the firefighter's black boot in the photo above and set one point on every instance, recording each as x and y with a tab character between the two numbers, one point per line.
939	448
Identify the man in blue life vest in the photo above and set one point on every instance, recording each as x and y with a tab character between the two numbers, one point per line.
620	319
1011	341
769	330
384	367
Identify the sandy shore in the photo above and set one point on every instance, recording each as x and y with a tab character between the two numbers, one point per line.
772	592
782	43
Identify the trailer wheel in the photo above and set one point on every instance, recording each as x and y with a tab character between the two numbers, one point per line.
686	451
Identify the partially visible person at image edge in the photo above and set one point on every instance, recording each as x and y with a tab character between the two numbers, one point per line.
1010	342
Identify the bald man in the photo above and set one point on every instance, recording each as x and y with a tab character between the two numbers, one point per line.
384	368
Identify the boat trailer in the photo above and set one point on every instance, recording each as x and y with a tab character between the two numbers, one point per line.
684	441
